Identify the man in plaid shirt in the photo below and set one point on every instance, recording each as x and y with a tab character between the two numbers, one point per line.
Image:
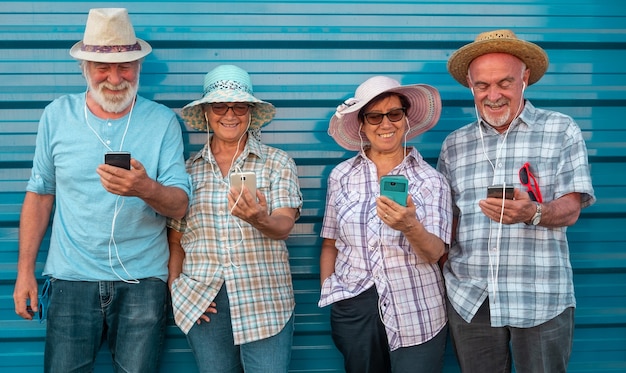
508	274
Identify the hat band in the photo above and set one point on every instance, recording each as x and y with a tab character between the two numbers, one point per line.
110	48
227	84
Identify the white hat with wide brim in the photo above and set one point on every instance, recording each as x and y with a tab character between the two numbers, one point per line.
422	115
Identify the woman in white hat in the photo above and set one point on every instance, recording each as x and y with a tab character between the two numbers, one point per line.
230	280
379	257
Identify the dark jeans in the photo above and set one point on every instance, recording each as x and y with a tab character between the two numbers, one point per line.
360	336
82	314
481	348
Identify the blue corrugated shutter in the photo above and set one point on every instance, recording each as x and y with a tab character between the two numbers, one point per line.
306	57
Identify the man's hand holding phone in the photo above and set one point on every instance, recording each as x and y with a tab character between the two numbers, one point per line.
123	179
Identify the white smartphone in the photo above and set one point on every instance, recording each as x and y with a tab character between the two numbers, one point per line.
248	179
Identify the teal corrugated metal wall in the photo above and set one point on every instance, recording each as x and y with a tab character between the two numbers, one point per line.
306	57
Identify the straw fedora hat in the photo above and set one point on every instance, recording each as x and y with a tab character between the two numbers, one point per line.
228	83
110	38
498	41
423	114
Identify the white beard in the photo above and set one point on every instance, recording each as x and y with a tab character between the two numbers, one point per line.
497	121
113	103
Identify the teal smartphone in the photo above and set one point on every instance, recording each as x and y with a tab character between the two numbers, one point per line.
395	187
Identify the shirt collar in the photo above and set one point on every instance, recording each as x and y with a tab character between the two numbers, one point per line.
253	146
527	117
413	156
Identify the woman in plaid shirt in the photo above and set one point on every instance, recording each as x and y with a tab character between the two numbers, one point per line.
379	258
230	280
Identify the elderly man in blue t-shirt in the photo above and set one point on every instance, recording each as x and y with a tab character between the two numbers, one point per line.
107	261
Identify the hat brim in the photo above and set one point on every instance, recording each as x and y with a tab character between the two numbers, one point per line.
111	57
423	115
262	113
531	54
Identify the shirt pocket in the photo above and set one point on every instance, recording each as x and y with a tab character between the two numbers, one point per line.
349	207
263	186
546	174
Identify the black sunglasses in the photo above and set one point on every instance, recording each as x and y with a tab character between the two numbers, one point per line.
393	115
238	109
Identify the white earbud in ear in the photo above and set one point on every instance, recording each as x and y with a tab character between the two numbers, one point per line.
472	89
523	86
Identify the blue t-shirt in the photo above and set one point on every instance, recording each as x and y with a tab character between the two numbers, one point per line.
85	245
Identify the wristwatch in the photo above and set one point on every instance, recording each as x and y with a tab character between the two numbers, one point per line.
537	217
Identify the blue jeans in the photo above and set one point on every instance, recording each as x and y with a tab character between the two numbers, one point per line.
479	347
215	350
81	315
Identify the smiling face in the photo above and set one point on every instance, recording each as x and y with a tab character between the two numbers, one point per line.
387	136
228	127
497	81
112	86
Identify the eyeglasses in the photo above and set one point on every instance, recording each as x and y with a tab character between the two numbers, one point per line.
528	180
43	301
393	115
238	109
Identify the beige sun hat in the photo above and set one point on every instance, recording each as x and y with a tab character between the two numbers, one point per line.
110	38
498	41
423	114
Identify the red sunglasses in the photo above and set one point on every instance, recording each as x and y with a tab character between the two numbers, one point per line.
528	180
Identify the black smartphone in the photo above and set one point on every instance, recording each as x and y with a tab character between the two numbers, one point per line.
395	187
496	191
118	159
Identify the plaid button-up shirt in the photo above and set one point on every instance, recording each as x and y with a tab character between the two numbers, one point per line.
220	248
410	291
531	281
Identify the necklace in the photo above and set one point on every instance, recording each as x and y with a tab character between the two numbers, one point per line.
130	115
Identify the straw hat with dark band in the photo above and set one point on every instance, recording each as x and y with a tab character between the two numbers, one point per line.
498	41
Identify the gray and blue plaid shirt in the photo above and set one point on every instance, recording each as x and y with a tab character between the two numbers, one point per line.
534	275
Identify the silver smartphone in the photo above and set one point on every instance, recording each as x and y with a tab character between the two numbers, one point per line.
248	179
